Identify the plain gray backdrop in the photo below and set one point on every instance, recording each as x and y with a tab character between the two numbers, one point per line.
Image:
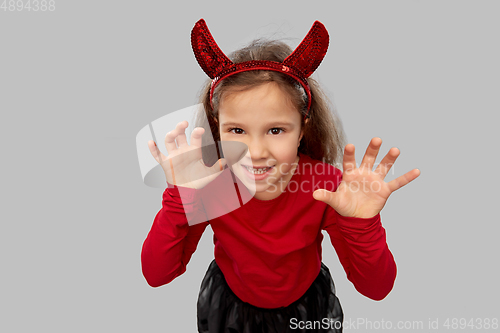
79	82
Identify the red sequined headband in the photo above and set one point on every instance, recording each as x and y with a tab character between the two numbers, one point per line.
300	64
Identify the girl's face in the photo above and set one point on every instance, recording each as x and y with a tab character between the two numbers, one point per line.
267	122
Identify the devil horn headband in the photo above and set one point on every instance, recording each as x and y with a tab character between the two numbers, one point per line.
300	64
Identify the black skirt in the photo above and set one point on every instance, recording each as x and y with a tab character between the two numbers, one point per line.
221	311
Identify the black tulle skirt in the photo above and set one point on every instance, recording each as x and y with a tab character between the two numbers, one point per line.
221	311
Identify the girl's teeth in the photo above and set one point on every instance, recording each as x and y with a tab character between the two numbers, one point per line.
257	171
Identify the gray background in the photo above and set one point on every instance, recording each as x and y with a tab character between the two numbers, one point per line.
78	83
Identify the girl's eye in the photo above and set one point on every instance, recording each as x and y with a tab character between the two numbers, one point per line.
276	130
236	130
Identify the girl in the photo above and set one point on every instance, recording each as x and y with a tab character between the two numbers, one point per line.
267	275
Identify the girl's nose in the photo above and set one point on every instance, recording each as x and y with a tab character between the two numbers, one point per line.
258	149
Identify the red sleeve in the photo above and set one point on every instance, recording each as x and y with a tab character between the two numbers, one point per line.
171	240
363	252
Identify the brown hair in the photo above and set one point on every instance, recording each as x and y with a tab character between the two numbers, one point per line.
323	134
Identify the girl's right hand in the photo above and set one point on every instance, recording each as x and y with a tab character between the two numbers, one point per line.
184	165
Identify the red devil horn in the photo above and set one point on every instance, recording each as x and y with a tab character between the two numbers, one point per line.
311	51
208	54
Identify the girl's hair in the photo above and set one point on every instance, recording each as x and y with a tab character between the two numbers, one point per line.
323	137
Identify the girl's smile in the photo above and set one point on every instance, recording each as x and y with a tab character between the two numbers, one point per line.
257	173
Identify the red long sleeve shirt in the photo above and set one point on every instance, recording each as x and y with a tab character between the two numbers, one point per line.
269	251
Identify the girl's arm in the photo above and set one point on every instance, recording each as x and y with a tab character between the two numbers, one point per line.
363	252
353	219
172	241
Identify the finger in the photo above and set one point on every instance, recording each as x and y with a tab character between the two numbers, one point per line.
371	153
327	197
158	156
170	141
349	161
387	162
401	181
196	136
173	135
181	136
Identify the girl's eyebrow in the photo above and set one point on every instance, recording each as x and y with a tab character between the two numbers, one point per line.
276	123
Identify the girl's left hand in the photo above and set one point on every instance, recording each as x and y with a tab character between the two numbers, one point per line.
363	192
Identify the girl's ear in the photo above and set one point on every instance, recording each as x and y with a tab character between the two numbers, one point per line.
302	132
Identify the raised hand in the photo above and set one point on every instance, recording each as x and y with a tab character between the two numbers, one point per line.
184	165
363	192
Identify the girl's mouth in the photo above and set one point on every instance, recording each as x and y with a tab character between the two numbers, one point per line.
256	174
